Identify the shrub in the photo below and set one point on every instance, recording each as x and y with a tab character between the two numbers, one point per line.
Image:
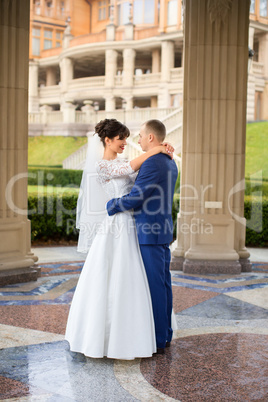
53	218
54	177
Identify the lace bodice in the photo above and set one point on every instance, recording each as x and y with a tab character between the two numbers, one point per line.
116	176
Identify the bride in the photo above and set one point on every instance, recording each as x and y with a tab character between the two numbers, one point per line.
111	312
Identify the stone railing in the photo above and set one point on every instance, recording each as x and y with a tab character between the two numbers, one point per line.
87	82
176	74
257	68
137	115
53	91
147	79
118	80
35	118
77	159
80	117
172	119
50	91
54	117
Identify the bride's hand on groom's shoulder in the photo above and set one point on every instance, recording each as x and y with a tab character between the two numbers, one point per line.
168	149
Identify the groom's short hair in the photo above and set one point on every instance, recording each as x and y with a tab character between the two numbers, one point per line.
157	128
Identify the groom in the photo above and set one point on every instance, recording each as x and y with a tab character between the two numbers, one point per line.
151	198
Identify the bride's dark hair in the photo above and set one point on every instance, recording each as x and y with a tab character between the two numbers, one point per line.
111	128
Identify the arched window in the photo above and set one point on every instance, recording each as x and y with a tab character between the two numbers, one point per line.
143	11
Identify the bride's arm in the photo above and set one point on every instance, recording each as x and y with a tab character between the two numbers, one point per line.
165	149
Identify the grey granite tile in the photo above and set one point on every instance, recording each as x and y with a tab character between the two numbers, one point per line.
225	307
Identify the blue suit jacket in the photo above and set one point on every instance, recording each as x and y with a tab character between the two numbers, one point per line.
151	198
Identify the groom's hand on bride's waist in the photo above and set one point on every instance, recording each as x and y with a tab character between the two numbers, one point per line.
110	207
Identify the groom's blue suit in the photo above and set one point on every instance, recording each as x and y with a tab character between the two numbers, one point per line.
151	198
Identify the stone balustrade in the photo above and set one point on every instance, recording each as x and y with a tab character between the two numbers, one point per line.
147	79
87	82
48	94
138	115
257	68
176	74
77	159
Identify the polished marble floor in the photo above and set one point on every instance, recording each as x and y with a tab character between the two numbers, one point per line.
218	353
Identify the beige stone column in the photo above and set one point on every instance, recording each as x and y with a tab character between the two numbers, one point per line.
51	76
110	67
15	228
66	73
128	67
167	59
211	224
33	86
109	103
167	62
129	101
156	61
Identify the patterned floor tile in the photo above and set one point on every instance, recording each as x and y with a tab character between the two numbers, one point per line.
48	318
225	307
215	367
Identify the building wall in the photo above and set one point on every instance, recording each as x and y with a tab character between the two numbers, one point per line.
91	34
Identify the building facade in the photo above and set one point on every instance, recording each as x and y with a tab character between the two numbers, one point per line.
115	55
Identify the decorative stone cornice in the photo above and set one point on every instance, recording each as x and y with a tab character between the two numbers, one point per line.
218	10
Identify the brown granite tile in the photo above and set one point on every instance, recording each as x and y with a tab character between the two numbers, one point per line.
49	318
12	389
185	297
214	367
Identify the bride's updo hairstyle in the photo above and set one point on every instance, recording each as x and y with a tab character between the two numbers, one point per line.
111	128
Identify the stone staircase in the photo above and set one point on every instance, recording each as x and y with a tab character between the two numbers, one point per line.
173	123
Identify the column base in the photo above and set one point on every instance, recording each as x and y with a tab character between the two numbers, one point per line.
19	275
176	263
202	267
246	265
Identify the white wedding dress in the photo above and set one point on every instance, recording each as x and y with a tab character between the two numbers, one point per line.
111	312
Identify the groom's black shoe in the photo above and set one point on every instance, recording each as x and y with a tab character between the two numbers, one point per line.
168	344
160	351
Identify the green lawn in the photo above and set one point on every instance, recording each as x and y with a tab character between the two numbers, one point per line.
51	151
257	149
50	190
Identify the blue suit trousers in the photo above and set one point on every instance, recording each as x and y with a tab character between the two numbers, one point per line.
156	259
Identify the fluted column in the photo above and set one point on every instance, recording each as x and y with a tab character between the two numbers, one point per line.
211	224
128	67
33	86
15	228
